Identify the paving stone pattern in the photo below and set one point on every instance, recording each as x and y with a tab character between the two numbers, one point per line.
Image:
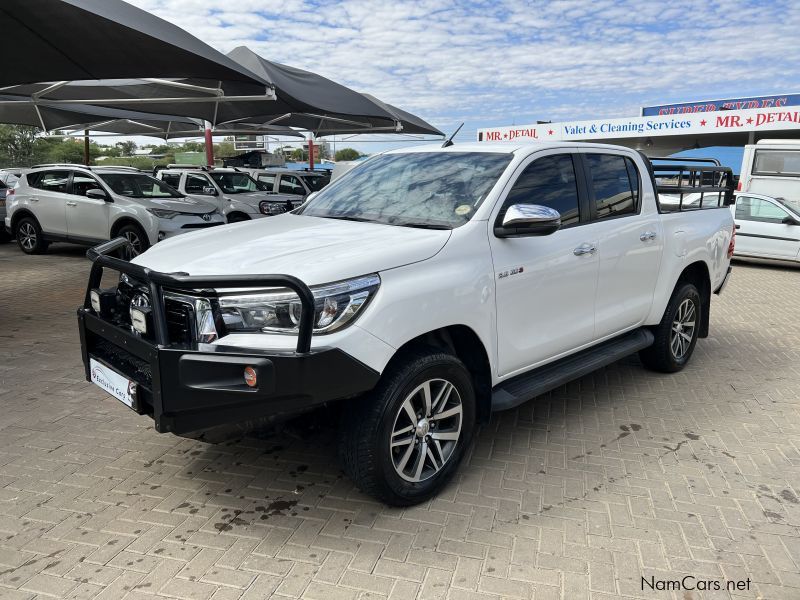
621	475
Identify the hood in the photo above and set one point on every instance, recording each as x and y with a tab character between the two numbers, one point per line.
184	205
314	249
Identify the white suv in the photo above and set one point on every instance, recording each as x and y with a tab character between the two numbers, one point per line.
237	195
88	205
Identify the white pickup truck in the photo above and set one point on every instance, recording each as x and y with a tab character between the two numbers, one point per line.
422	291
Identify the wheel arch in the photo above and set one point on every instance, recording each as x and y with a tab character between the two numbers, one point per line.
125	220
698	274
241	216
20	214
462	342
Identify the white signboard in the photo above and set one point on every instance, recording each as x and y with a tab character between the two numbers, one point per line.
702	123
115	384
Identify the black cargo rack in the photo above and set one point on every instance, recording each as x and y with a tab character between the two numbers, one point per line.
712	183
157	281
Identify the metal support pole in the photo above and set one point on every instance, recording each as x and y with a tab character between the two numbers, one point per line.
209	145
311	153
86	147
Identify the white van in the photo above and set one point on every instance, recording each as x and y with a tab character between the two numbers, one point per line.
772	168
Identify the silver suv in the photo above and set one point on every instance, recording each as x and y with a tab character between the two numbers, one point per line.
235	193
291	181
88	205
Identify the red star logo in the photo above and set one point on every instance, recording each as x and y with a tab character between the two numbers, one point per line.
749	120
505	136
703	123
550	132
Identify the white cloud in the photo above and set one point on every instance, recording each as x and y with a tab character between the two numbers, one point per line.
497	62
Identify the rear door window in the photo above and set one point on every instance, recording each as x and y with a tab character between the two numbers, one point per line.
548	181
291	185
50	181
614	184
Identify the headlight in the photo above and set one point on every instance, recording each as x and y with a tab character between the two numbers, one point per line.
337	304
272	208
163	213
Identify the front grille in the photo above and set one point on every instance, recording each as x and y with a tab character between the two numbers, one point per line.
199	225
180	321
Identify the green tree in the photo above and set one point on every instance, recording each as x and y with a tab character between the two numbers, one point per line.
127	148
347	154
17	145
298	154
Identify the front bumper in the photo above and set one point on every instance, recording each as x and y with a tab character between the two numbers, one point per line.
168	228
186	388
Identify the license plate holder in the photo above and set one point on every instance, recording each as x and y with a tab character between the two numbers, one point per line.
114	383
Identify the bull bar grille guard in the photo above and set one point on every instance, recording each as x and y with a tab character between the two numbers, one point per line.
157	281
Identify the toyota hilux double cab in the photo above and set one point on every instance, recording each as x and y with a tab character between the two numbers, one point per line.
419	293
237	195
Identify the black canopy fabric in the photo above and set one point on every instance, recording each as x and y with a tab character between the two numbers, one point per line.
63	40
20	111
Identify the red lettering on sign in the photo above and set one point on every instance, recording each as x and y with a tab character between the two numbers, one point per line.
729	121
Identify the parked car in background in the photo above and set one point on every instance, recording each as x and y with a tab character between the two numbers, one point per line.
289	181
8	179
235	193
89	205
772	167
424	290
767	227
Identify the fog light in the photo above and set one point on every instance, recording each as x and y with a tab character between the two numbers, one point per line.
139	318
250	376
95	301
103	301
161	235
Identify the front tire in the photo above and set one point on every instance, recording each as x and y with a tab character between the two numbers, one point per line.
403	441
29	236
676	334
137	239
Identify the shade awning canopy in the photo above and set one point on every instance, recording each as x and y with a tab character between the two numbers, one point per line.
60	40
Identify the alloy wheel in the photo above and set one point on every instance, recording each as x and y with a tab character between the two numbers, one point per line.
27	236
426	430
683	329
135	247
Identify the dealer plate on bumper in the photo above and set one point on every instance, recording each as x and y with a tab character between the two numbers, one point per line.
119	386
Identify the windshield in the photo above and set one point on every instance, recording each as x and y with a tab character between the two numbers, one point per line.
139	185
237	183
316	182
418	189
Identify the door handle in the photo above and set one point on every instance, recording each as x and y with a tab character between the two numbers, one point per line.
34	199
584	249
647	236
71	203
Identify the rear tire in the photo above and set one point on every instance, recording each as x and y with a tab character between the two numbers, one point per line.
138	239
401	448
676	334
29	236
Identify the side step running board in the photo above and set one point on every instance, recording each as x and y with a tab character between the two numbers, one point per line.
522	388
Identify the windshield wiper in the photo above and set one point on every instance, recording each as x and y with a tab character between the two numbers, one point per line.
421	225
344	218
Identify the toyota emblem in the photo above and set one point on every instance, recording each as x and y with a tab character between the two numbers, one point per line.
207	217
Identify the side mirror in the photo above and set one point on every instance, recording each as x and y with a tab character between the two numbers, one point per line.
209	191
98	194
790	221
523	220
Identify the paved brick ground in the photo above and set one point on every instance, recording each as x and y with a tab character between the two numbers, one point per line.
619	475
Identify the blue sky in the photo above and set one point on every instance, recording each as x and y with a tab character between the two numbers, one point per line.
503	62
